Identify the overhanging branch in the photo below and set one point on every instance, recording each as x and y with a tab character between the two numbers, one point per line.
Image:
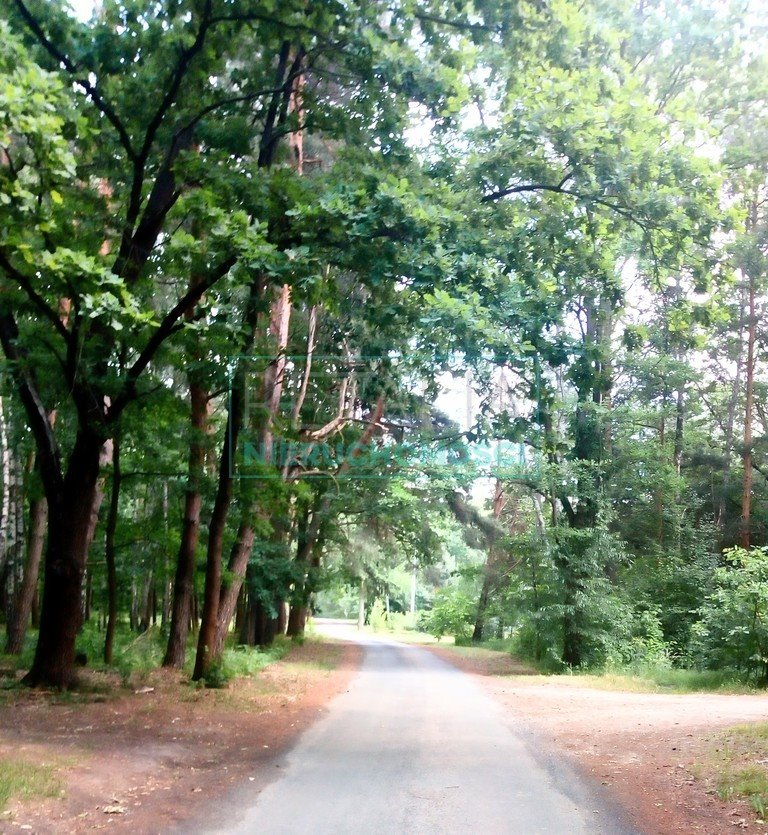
103	106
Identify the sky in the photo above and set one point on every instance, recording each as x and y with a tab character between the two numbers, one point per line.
83	8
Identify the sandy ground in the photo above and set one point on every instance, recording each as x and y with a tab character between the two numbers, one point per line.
649	750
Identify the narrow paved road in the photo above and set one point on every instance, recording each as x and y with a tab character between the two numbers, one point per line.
416	746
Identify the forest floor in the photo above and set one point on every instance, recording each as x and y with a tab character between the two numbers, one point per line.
658	755
150	758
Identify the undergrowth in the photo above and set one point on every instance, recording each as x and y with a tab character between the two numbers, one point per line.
136	656
21	780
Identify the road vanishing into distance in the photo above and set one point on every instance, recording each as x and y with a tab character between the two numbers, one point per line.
416	746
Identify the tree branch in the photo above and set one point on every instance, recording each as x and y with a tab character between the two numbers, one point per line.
558	189
185	59
37	300
103	106
455	24
168	326
37	415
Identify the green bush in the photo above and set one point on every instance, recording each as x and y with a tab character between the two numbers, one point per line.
452	613
733	630
377	617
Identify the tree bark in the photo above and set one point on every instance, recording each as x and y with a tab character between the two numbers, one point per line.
109	553
490	567
22	610
361	604
746	487
230	591
69	533
274	378
175	652
286	98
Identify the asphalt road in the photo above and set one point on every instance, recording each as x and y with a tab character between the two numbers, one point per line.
416	746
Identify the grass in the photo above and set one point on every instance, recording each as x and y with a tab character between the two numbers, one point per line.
20	780
240	661
645	678
649	679
136	656
738	765
411	636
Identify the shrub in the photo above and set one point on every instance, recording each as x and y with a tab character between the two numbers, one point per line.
733	630
452	613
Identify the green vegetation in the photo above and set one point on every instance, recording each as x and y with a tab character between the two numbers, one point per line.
739	762
451	315
21	780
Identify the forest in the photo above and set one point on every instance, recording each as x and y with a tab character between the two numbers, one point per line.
437	314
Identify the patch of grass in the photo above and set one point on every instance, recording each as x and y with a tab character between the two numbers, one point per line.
248	661
696	681
330	661
410	636
244	662
21	780
738	765
23	661
750	782
661	680
647	678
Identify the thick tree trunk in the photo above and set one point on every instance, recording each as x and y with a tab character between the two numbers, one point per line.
221	506
216	530
489	571
282	617
482	607
69	533
181	608
297	620
22	610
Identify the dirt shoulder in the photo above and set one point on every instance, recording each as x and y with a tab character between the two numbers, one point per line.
650	751
148	759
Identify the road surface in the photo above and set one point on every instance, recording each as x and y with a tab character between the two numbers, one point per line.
416	746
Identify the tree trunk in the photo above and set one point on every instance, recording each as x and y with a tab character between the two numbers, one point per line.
216	531
184	578
721	508
230	592
109	553
490	565
482	607
22	610
274	379
361	604
69	532
297	621
746	488
220	513
282	617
